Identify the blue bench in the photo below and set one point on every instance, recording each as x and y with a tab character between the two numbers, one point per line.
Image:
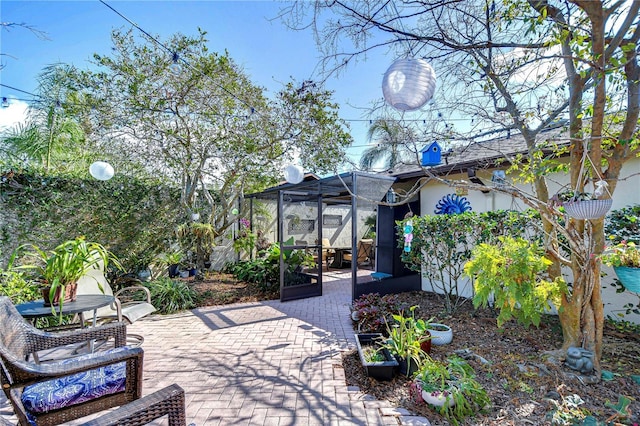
378	276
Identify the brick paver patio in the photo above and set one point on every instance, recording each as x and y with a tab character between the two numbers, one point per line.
267	363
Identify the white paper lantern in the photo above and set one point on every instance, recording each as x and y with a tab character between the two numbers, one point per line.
293	173
101	170
408	84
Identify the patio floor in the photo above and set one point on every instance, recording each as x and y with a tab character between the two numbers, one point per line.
267	363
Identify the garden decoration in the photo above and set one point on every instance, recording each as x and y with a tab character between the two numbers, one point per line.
624	257
293	173
431	155
408	84
580	359
582	205
408	235
101	170
452	204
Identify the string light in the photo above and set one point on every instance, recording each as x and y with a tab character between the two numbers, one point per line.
175	67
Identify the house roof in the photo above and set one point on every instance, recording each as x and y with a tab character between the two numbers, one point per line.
480	155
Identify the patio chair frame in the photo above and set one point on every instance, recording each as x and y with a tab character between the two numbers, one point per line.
19	339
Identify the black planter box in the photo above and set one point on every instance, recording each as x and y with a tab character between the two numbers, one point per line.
384	370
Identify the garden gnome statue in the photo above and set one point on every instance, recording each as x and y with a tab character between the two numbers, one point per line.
580	359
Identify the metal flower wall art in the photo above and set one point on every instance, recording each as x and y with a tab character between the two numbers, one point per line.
452	204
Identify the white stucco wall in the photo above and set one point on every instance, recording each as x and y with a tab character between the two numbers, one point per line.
626	193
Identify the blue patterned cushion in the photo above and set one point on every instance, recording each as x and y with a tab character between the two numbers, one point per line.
76	388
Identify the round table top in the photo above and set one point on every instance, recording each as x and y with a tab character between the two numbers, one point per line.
83	303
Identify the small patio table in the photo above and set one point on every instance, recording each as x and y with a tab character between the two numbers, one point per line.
83	303
338	258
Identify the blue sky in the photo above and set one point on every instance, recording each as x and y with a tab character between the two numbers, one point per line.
269	53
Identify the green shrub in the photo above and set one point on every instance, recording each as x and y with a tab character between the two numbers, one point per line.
169	296
624	225
442	244
15	285
512	273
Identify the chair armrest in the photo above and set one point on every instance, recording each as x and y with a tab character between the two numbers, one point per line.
41	340
169	400
133	289
25	372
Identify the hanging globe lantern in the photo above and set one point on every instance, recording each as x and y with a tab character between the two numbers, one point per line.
408	84
293	174
101	170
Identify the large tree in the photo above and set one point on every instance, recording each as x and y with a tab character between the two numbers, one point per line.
521	65
195	118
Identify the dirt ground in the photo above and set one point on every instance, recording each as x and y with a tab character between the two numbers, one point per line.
524	381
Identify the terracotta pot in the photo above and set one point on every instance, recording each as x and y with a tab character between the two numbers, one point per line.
426	345
69	294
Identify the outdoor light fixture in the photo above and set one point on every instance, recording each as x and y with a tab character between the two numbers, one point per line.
391	196
293	173
408	84
499	177
175	67
5	102
101	170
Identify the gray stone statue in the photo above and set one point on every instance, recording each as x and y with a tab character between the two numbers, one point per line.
580	359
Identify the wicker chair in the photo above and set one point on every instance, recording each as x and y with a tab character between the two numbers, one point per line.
363	255
165	402
19	339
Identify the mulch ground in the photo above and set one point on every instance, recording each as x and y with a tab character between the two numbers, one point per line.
524	382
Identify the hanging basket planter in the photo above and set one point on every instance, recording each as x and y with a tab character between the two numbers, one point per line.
629	277
587	209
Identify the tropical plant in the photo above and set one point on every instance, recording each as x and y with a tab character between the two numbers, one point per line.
169	296
454	381
512	275
51	135
198	239
405	336
392	144
64	265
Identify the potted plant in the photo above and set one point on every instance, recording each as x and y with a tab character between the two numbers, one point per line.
59	270
404	342
172	260
375	358
582	205
451	388
441	334
624	257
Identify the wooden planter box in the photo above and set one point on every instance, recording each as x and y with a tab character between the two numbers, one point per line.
384	370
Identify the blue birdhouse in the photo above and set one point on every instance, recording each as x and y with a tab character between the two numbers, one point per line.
431	155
